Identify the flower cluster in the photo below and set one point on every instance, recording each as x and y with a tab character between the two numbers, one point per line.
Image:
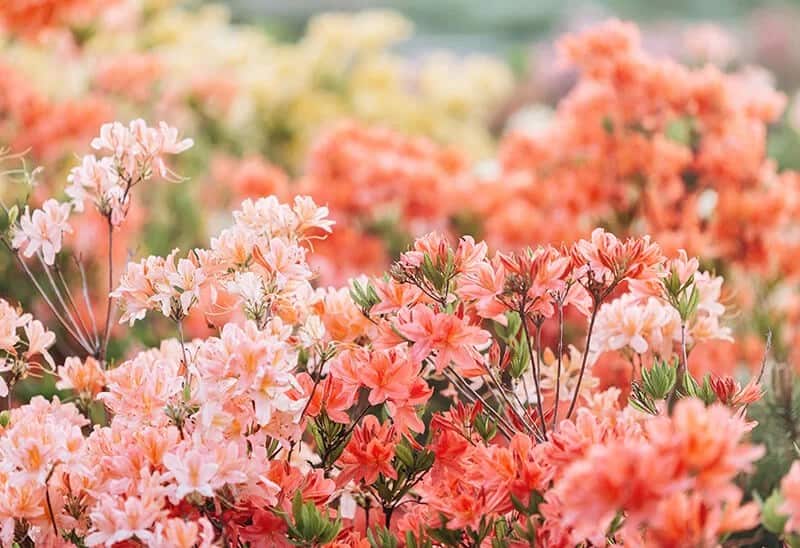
341	364
644	142
134	154
24	343
683	304
160	283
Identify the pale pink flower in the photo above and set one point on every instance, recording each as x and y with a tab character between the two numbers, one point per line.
642	327
93	179
483	285
39	340
43	231
157	283
10	321
611	260
139	389
134	154
115	519
449	336
178	533
310	216
186	278
83	376
193	472
115	138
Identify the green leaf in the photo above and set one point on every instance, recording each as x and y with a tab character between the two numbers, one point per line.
681	131
608	125
486	427
520	360
13	213
380	537
508	333
659	380
404	454
771	518
364	296
641	400
297	506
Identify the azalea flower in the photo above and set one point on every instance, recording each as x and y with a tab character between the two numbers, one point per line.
193	473
640	327
451	338
369	453
43	230
389	375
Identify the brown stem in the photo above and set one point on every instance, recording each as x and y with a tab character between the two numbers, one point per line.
49	503
683	364
558	366
109	302
502	423
92	336
595	308
44	295
522	415
539	407
317	379
179	323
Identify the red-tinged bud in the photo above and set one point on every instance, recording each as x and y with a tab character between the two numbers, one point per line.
724	387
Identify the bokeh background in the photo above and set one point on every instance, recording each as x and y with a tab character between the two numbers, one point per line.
734	33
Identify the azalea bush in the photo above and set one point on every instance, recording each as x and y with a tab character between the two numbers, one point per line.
419	408
587	339
255	103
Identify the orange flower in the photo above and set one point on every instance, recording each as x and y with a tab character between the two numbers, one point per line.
389	374
369	453
451	337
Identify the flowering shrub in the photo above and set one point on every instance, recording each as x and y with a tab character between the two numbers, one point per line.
251	101
421	407
363	373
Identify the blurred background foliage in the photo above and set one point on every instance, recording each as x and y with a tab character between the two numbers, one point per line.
522	33
493	26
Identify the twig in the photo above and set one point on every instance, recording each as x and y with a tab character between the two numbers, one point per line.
47	499
87	301
44	295
595	308
92	336
767	348
535	372
84	341
179	323
454	377
558	366
109	302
